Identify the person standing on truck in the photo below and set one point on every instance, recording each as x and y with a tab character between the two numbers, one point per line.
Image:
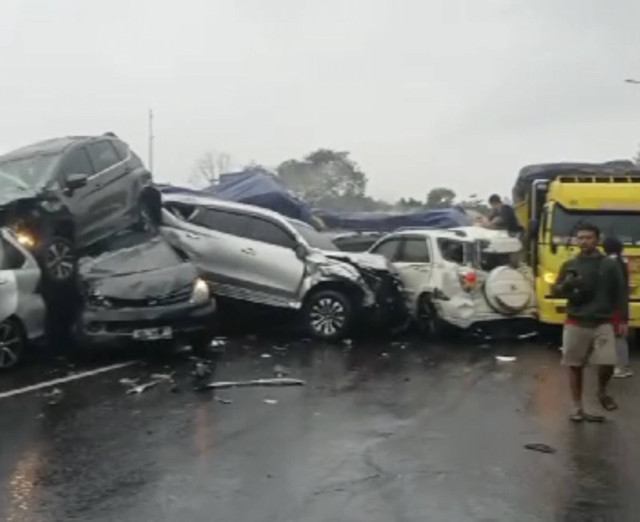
613	247
503	216
594	287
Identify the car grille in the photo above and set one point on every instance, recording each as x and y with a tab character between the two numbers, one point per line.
179	296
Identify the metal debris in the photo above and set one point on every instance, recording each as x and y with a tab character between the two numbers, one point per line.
163	376
542	448
266	356
270	401
223	401
126	381
278	381
141	388
505	358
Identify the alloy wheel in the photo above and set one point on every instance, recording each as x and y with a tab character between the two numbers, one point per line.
59	260
328	316
11	345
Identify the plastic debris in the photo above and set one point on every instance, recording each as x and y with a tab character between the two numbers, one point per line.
141	388
505	358
54	396
163	376
270	401
266	356
280	371
278	381
223	401
529	335
542	448
126	381
201	369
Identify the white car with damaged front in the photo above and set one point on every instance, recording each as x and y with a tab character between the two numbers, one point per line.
470	278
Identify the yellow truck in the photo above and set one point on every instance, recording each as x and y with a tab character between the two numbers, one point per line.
551	200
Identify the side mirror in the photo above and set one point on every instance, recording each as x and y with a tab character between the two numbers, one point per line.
76	181
301	251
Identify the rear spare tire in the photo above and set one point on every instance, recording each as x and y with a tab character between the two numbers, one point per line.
508	291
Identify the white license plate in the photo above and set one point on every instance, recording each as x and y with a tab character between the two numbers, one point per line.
153	334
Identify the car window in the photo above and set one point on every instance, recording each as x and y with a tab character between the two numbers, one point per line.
76	162
222	221
267	232
414	250
121	148
10	257
388	249
103	155
452	250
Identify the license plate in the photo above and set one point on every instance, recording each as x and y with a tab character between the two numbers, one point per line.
153	334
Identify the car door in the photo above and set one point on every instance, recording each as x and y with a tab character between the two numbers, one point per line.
79	201
19	282
413	262
271	258
110	198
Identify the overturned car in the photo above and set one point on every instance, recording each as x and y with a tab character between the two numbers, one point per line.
254	255
145	292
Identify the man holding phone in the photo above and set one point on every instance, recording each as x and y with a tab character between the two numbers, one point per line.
594	287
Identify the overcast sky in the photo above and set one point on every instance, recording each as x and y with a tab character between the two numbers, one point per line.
423	93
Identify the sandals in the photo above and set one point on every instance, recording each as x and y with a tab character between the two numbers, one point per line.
580	416
608	403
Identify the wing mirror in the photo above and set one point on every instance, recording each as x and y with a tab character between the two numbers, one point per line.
301	251
76	181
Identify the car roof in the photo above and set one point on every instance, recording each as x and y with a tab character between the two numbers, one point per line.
469	233
215	203
51	146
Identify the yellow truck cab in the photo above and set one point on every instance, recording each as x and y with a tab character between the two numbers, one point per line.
552	200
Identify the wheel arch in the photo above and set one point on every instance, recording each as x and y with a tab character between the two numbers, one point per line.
354	293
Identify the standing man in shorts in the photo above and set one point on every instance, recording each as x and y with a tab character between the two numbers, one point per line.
594	287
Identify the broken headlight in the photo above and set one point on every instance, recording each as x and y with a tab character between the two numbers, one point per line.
200	293
97	300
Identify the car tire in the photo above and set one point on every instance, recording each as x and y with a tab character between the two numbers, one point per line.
58	260
13	344
429	322
328	315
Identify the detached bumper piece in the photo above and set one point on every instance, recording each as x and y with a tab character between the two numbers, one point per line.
157	324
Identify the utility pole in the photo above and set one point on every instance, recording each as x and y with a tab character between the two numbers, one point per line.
151	140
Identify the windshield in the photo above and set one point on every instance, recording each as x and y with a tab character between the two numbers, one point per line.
623	225
314	238
32	171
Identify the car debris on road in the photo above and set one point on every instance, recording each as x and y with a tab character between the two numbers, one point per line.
278	381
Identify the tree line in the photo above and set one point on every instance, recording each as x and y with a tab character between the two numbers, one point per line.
332	179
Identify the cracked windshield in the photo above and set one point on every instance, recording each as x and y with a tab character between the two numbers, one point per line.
351	261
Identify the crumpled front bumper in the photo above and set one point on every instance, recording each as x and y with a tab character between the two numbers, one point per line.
106	326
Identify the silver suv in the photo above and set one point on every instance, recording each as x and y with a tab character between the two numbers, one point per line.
251	254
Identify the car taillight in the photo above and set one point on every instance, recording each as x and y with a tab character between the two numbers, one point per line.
468	280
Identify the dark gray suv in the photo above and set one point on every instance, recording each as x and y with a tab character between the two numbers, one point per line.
65	194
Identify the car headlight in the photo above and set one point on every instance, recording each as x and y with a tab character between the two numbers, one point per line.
25	239
200	293
97	300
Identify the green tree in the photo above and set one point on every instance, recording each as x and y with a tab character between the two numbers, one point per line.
440	197
324	174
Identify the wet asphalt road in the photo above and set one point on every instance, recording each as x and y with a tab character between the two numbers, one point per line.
382	431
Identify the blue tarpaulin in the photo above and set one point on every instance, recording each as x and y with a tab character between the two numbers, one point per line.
254	186
389	221
260	187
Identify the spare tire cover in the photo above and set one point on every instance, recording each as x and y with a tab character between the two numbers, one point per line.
507	290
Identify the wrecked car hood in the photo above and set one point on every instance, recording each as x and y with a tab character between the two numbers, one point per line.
362	259
151	269
12	190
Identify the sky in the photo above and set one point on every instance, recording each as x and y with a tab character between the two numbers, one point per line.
422	93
